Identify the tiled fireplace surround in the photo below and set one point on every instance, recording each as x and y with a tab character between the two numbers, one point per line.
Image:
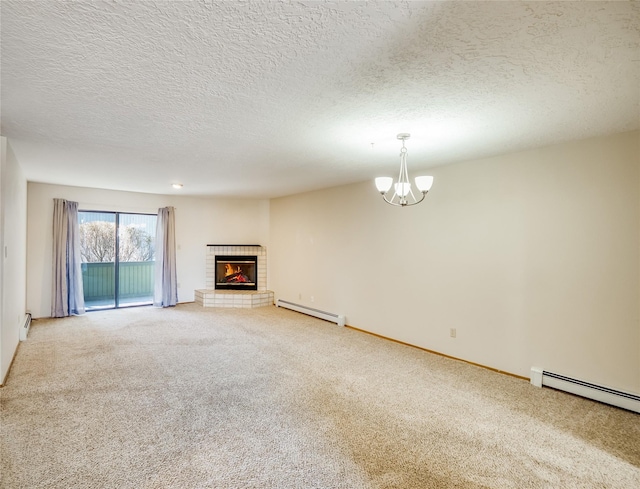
210	297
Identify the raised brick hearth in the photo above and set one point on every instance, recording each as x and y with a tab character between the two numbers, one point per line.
234	298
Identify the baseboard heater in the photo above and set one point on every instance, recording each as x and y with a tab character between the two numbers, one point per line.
625	400
327	316
24	330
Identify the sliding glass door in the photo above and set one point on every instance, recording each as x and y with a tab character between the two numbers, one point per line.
117	258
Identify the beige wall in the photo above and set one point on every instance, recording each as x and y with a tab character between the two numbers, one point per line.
199	221
533	257
13	237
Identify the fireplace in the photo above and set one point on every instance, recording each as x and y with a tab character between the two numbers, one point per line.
236	272
224	291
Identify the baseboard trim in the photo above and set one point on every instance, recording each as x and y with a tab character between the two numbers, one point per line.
15	353
438	353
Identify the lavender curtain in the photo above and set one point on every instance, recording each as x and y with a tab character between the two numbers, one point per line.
165	293
67	293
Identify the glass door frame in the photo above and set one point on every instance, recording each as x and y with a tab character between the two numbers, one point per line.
116	261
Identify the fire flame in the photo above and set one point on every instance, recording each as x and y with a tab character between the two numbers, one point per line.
232	275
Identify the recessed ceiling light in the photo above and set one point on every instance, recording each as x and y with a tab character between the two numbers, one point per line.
177	185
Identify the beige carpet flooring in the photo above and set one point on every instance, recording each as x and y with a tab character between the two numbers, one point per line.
188	397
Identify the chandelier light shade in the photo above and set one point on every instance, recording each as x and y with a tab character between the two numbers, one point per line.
402	192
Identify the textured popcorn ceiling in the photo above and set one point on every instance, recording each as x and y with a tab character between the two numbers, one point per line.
270	98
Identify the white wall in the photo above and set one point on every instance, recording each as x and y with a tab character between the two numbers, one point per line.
13	228
533	257
199	221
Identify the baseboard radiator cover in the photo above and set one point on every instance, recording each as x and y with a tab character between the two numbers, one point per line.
24	330
327	316
625	400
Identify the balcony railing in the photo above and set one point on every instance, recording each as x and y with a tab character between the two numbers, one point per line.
135	282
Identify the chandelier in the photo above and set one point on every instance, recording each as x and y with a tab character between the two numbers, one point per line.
403	193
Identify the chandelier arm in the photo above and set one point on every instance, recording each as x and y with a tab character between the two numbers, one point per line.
406	204
390	202
424	194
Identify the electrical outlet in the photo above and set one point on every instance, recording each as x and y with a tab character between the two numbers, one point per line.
452	332
312	298
299	296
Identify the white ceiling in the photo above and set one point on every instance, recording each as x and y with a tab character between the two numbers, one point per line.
266	99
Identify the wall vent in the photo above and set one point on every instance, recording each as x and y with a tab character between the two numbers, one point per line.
24	330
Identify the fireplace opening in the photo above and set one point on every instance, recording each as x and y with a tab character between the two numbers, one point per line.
238	272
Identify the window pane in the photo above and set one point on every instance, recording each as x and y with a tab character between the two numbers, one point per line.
136	251
98	252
